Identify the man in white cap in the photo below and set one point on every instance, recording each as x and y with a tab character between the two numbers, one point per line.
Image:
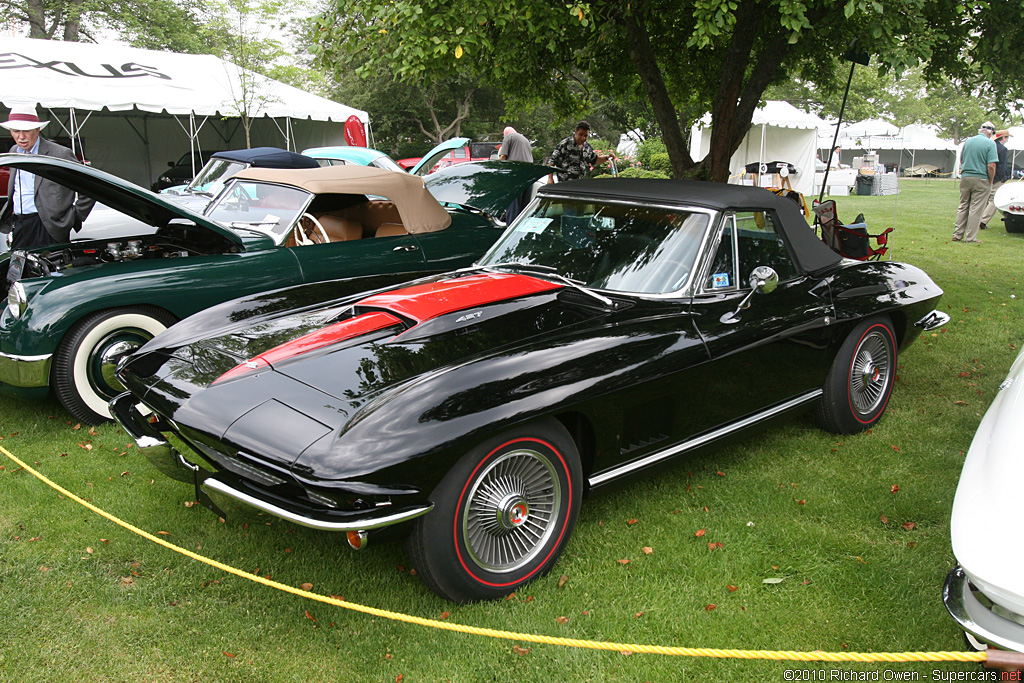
977	171
39	212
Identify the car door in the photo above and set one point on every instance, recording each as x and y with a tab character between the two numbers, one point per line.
354	258
774	351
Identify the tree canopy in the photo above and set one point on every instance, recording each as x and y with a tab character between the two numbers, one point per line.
675	61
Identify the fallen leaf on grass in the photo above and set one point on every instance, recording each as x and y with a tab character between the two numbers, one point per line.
306	586
520	650
398	678
909	526
164	533
310	616
228	654
631	522
709	608
88	550
716	545
733	589
562	620
773	581
885	520
623	562
44	569
562	580
647	550
700	532
801	502
445	615
638	615
86	446
894	488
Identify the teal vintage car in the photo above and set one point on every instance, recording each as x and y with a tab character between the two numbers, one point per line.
74	310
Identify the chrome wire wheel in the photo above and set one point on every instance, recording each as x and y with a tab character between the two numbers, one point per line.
869	373
512	511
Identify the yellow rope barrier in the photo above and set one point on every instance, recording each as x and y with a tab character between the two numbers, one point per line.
789	655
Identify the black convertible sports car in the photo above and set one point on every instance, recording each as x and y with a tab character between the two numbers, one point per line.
615	325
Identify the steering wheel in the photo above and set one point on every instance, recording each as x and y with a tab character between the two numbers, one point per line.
308	231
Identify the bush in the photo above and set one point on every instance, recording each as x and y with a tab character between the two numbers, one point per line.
635	173
660	162
647	148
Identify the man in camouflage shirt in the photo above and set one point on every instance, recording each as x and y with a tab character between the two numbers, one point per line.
573	156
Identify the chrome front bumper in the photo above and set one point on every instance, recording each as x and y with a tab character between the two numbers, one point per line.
933	320
976	617
162	455
25	371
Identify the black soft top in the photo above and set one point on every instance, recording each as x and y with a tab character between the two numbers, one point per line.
810	252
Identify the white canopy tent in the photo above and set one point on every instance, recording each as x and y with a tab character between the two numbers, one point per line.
905	147
779	132
134	110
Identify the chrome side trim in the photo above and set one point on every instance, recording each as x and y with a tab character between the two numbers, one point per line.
25	371
933	320
374	519
673	451
976	619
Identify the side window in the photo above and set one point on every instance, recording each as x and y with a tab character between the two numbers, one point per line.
722	275
760	244
460	153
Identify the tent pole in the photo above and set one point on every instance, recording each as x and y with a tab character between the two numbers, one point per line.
854	58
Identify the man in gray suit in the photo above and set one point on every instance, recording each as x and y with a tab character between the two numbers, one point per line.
39	211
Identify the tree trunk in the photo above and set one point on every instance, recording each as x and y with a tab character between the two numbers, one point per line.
36	12
664	111
73	22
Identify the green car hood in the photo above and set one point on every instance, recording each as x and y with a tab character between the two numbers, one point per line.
116	193
489	186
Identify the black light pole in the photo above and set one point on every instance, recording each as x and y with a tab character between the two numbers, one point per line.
855	57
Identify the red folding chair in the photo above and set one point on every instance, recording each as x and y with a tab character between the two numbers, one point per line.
850	240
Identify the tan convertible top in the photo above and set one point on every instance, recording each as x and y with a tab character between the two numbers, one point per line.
419	210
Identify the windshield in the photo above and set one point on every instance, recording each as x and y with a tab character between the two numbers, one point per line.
615	247
387	163
427	164
264	206
213	176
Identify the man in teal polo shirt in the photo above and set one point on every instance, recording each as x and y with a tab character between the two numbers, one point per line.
977	170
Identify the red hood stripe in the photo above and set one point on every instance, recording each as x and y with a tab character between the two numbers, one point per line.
332	334
423	302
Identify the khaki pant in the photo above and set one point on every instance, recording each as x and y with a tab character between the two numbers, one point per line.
990	210
974	194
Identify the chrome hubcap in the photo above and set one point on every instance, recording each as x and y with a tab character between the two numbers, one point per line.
104	360
511	511
869	375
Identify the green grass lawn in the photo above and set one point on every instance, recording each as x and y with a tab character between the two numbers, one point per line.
856	528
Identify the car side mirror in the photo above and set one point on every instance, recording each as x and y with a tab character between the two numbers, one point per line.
763	279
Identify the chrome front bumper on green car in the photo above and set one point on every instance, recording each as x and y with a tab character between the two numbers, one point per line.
25	371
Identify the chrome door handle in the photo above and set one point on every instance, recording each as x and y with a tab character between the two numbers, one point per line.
406	247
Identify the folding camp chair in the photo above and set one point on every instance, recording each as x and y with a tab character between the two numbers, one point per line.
850	240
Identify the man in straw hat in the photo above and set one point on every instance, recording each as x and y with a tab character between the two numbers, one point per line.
39	212
1002	175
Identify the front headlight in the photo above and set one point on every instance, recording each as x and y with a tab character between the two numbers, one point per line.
17	302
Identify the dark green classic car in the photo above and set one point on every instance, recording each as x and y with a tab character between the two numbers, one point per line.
74	310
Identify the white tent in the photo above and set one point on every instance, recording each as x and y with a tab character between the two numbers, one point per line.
905	147
134	110
779	132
